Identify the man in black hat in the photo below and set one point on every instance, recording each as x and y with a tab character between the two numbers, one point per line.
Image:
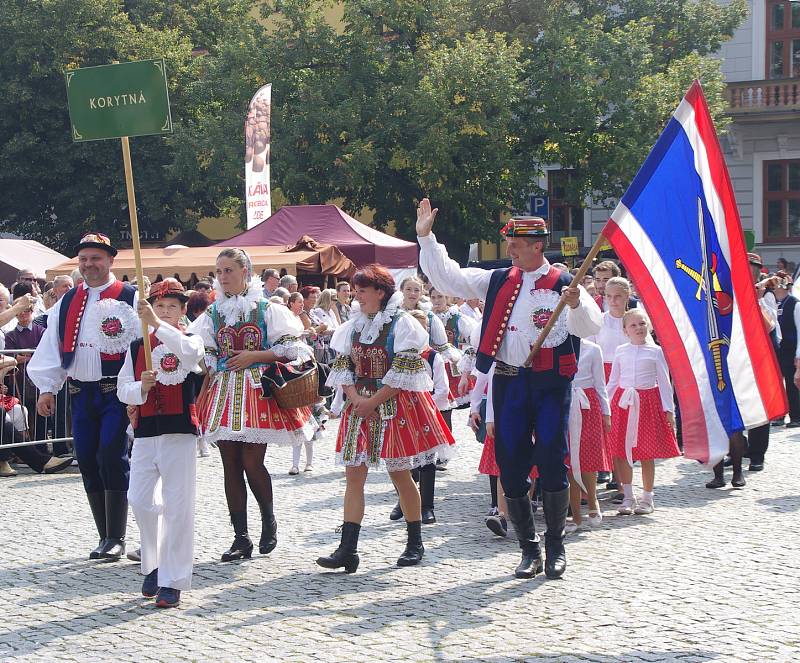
88	332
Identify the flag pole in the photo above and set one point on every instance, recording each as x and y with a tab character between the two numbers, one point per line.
137	250
576	280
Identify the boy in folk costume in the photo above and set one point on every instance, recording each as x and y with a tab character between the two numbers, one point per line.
88	331
165	431
527	400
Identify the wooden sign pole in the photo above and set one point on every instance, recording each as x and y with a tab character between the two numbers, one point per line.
137	249
576	280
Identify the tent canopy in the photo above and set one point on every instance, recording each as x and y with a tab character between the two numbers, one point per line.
306	258
329	225
17	254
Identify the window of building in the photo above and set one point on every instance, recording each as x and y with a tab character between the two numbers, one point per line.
566	218
783	39
782	200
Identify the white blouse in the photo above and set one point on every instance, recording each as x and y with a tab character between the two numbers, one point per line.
321	316
408	370
641	367
441	385
610	336
590	373
448	276
465	324
281	323
44	368
189	350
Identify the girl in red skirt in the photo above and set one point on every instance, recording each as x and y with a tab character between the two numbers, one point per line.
589	421
642	419
390	419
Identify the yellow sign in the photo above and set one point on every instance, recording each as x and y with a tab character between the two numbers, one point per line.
606	245
569	246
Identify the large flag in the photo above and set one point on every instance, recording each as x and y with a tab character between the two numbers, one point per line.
677	231
258	195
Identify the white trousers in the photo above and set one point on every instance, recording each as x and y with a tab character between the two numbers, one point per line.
166	523
309	454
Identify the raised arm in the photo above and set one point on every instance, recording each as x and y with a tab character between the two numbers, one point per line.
446	274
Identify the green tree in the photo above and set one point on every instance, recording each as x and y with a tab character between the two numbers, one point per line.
55	190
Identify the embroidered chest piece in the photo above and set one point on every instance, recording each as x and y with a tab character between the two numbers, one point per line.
247	336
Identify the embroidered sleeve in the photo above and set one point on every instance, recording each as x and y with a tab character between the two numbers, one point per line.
341	373
467	362
408	372
203	327
291	348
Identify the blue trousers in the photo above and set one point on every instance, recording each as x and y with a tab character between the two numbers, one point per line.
523	407
99	422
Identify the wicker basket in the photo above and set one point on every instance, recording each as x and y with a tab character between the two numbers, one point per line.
302	391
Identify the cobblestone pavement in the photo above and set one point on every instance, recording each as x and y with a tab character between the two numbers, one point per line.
711	575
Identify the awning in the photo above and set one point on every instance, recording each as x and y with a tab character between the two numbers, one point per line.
304	258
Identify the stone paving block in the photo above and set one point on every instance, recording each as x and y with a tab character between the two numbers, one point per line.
681	585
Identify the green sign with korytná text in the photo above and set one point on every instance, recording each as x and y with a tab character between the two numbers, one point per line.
116	100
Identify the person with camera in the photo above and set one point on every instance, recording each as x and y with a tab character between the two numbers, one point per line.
758	438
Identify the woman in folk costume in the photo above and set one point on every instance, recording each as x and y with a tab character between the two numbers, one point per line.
242	333
458	330
642	419
589	421
390	417
425	476
165	424
412	290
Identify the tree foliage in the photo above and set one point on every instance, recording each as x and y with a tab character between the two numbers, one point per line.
462	100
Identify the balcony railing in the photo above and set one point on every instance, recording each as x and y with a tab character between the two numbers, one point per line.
778	96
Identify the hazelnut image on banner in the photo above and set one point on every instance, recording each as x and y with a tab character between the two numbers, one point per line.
258	163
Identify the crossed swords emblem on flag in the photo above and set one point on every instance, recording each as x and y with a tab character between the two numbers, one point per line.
708	283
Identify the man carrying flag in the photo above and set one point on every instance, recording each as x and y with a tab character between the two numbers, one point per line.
678	233
529	398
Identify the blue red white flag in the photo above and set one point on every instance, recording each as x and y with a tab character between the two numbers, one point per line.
677	231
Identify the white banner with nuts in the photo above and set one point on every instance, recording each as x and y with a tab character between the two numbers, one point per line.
256	157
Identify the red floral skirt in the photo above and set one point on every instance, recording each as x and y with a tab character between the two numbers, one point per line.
488	463
594	452
410	433
234	408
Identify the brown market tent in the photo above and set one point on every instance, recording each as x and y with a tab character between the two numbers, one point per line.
329	224
307	257
17	254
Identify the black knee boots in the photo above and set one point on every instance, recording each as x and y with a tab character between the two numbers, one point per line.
97	503
116	524
520	513
555	506
242	546
269	530
346	555
427	487
414	551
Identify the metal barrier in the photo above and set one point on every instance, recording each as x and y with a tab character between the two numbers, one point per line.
19	399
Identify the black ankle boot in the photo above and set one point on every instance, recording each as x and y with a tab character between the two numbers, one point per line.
116	524
269	530
555	505
520	513
397	512
97	503
346	555
414	551
242	546
427	487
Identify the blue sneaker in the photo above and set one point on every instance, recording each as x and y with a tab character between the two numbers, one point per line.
150	584
168	597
